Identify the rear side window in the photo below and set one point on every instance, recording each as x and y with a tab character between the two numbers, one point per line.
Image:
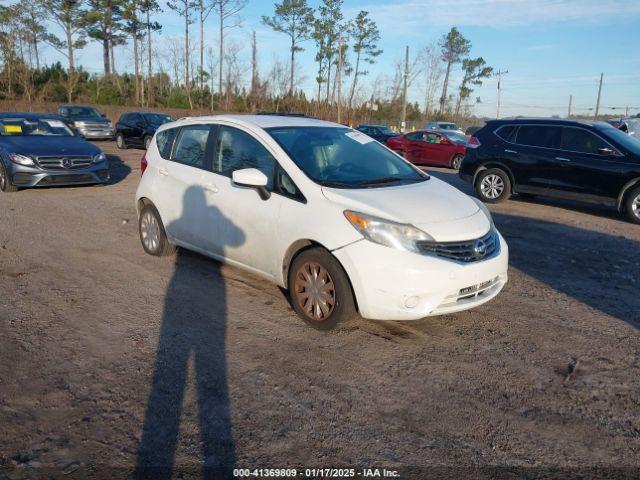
580	140
236	150
539	136
191	145
125	118
164	140
416	136
506	132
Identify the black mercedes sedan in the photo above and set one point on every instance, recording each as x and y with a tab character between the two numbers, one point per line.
136	129
38	150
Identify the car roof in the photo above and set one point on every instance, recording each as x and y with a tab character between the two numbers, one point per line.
27	115
266	121
142	112
546	121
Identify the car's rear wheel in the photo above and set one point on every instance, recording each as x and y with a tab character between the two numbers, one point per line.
320	290
632	205
152	233
120	143
493	185
5	183
456	161
147	142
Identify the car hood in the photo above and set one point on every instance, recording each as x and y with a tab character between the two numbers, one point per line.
90	120
434	206
48	145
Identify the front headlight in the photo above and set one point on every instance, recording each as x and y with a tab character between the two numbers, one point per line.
78	124
385	232
486	211
21	159
101	157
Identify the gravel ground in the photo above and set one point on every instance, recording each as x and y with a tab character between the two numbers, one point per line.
114	362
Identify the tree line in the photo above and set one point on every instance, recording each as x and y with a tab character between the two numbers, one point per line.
187	72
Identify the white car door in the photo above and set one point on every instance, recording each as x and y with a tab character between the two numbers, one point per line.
248	226
181	188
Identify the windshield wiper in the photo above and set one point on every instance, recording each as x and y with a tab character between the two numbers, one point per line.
331	184
383	180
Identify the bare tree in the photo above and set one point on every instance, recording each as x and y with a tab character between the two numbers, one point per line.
204	10
227	11
434	69
183	8
454	46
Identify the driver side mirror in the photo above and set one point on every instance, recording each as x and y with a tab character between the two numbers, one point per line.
252	178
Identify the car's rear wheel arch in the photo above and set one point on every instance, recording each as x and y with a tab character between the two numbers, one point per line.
499	165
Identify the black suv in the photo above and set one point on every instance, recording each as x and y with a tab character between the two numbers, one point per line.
579	160
381	133
136	129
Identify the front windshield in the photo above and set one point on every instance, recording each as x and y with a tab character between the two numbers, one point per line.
448	126
157	118
457	138
387	131
344	158
627	141
33	127
84	112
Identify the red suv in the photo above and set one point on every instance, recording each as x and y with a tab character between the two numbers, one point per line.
426	147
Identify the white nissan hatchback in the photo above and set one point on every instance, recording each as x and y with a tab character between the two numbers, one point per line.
322	210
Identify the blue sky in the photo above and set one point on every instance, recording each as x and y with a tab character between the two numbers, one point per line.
551	48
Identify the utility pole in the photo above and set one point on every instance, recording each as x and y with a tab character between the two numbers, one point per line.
626	111
339	76
403	120
570	101
499	74
599	91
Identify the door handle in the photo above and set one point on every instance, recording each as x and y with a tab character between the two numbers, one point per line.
506	150
210	188
562	159
164	172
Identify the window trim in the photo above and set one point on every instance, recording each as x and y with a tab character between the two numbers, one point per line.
207	148
518	125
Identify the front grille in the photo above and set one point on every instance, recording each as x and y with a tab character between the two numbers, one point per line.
466	251
94	127
69	162
67	179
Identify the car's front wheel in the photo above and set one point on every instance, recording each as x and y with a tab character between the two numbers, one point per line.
152	233
320	290
5	183
120	143
632	205
493	185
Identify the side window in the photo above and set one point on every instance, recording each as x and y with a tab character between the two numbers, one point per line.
579	140
285	186
506	132
432	138
415	136
64	112
236	150
164	140
191	145
539	136
125	118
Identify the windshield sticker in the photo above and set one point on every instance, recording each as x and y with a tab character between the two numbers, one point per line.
359	137
55	123
13	129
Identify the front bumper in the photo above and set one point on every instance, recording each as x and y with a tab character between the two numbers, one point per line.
23	176
102	134
392	284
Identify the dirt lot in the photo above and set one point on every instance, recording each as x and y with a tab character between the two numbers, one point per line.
112	360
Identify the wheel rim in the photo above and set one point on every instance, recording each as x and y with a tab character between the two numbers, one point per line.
492	186
314	291
119	141
3	178
456	162
635	206
150	231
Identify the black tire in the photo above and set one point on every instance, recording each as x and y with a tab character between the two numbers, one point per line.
147	142
499	179
456	161
338	290
632	205
161	247
5	183
120	142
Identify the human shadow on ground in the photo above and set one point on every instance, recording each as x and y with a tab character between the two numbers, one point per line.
194	324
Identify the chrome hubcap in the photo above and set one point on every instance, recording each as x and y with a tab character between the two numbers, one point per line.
635	206
456	162
314	291
119	141
150	231
492	186
2	178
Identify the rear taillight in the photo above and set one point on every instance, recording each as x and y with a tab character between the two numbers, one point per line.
143	163
473	143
